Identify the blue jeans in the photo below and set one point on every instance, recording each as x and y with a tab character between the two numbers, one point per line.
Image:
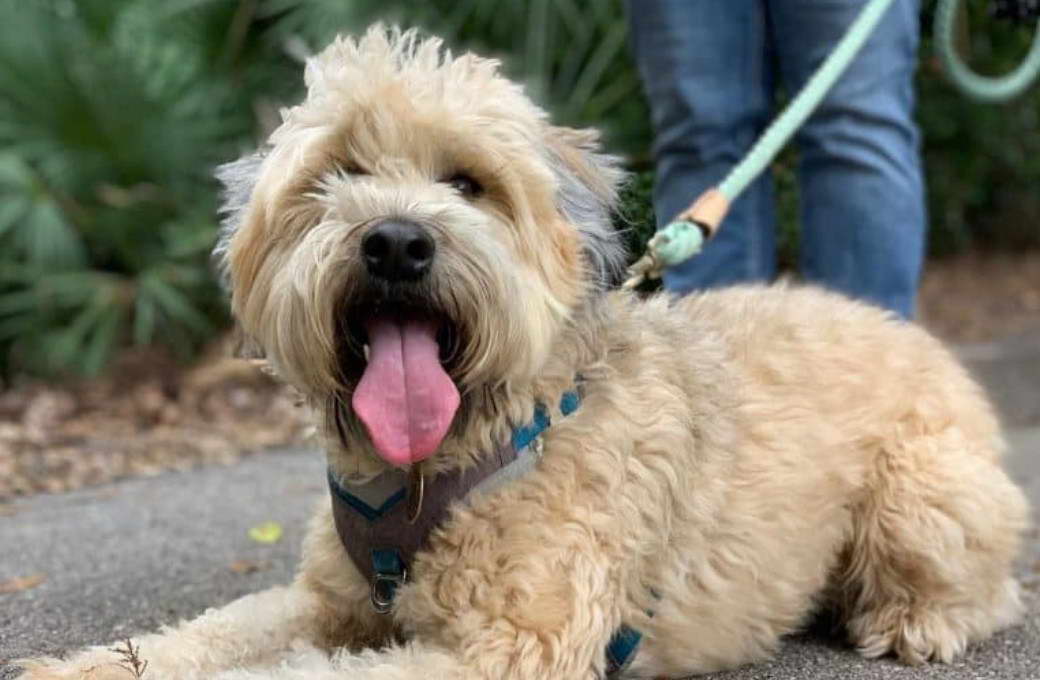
710	67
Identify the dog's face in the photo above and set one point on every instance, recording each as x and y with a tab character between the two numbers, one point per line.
414	232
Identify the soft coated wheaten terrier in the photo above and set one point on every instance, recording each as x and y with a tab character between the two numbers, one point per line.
534	477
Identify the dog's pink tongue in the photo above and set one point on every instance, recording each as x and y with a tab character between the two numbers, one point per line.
405	399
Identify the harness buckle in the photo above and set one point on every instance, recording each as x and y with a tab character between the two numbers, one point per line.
384	588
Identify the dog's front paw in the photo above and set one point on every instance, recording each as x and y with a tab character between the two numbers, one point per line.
100	665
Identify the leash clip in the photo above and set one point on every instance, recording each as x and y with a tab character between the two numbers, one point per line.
647	268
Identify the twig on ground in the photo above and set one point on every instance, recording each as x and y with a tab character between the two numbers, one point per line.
131	659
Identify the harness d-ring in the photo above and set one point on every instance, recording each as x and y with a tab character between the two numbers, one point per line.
389	574
384	588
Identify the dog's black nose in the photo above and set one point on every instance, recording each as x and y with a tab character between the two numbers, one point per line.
398	250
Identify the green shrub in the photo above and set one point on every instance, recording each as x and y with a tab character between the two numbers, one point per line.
636	218
982	161
113	113
572	55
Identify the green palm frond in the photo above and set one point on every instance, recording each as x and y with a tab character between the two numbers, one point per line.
112	118
572	56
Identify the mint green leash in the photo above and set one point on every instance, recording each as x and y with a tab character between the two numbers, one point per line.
685	235
982	88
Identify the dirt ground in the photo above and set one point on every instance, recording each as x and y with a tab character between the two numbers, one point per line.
978	297
148	414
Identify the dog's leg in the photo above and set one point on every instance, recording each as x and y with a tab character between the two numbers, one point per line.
513	604
933	543
254	630
250	630
476	645
412	661
520	587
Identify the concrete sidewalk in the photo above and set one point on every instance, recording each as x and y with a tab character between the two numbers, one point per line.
102	551
131	556
1010	370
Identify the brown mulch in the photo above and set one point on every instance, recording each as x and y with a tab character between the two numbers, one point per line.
149	414
146	415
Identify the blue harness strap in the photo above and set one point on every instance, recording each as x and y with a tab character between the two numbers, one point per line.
622	649
360	506
525	434
540	422
569	402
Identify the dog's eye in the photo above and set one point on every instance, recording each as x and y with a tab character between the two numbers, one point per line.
353	168
465	185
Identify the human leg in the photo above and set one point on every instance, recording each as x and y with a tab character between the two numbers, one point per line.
707	75
862	193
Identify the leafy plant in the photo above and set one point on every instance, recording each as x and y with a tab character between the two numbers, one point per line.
982	161
112	115
571	54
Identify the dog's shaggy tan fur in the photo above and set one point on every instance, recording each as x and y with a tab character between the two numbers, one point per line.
748	456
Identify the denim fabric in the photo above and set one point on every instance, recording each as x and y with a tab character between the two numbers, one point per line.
710	70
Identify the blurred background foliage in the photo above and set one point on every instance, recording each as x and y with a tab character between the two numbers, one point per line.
114	112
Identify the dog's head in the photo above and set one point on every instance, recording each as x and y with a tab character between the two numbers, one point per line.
413	232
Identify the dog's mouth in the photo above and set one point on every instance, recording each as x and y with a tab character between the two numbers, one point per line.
354	338
401	357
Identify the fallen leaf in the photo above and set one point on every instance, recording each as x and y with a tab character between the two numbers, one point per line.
16	585
268	532
246	566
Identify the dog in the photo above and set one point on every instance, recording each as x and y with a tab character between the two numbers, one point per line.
673	485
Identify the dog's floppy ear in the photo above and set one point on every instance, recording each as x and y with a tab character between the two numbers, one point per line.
586	196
